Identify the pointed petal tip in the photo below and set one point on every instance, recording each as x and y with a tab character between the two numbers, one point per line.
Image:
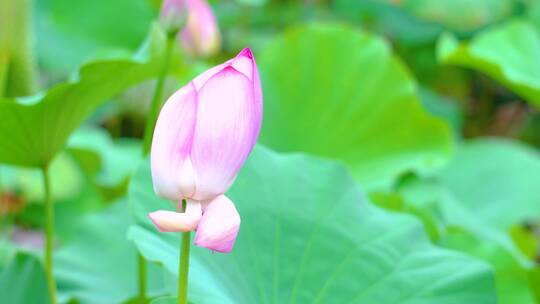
154	217
246	52
244	63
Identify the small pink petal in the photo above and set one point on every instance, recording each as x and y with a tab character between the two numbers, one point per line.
171	221
172	171
219	226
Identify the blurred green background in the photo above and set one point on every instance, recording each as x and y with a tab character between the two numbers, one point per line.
398	159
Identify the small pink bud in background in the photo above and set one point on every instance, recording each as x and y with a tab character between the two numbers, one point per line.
203	136
201	36
173	15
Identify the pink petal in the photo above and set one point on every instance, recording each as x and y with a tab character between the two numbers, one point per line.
219	226
245	63
224	131
170	221
172	171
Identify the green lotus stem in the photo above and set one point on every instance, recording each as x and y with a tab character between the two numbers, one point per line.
183	268
142	278
49	234
148	133
4	62
157	99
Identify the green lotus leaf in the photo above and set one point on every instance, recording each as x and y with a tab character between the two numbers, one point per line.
336	92
33	130
309	235
23	281
508	53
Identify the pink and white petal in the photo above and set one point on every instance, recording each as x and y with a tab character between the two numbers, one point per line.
171	221
223	136
245	63
172	173
219	226
206	203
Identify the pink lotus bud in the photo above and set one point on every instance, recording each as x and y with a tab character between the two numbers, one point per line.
201	36
203	136
173	14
